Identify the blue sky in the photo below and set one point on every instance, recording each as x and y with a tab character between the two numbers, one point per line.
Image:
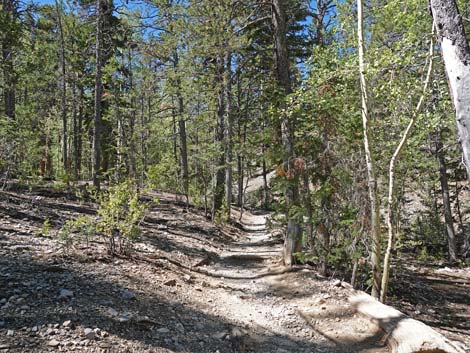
130	4
136	5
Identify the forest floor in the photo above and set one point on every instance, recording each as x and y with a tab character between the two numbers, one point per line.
437	295
188	286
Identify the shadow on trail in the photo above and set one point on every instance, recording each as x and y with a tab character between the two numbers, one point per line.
372	341
260	243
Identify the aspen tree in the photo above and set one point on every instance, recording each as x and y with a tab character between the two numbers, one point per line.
372	180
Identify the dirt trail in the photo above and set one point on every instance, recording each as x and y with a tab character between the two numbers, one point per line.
278	311
189	286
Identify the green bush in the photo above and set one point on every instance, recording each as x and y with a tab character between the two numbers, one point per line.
120	214
46	228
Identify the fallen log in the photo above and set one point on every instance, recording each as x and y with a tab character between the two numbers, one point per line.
403	334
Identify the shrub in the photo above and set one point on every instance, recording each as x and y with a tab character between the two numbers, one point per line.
73	232
46	228
120	214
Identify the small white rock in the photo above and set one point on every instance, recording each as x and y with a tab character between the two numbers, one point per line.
111	312
219	335
127	295
53	343
65	294
89	333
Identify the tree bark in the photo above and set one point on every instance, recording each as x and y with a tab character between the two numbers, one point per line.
120	144
229	133
182	131
449	220
9	77
183	138
81	112
265	180
132	121
142	130
241	142
456	54
146	134
63	93
76	170
175	147
242	158
308	207
241	177
219	140
183	148
372	181
294	230
466	236
96	164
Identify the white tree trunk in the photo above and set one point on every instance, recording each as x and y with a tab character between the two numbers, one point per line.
372	181
459	82
403	334
456	55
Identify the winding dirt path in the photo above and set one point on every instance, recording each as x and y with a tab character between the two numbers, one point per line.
274	310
